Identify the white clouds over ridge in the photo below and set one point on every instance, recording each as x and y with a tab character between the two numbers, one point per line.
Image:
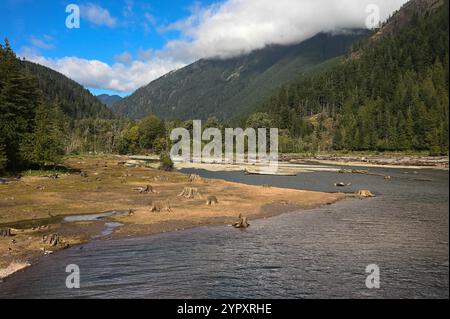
118	77
225	29
240	26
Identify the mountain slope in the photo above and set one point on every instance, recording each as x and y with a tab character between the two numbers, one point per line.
76	101
226	88
109	100
391	92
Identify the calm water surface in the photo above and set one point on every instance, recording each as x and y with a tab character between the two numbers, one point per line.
320	253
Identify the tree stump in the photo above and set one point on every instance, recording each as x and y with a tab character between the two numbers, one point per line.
242	223
5	232
190	193
52	240
212	201
195	178
160	206
145	190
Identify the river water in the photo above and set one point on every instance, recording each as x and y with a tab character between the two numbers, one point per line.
317	253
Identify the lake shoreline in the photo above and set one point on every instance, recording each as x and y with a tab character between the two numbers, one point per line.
114	187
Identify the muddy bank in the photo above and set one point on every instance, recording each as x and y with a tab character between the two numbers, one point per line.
154	201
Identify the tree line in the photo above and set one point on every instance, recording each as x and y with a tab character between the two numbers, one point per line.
389	94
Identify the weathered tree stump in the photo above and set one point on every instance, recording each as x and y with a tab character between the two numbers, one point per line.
160	206
195	178
190	193
5	232
242	223
145	190
52	240
212	201
364	194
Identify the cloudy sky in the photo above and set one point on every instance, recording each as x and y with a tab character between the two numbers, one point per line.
125	44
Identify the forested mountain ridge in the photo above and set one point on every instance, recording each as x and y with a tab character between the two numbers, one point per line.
109	100
44	115
75	101
226	88
391	93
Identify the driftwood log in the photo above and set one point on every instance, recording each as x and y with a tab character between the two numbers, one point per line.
212	201
190	193
159	206
242	223
5	232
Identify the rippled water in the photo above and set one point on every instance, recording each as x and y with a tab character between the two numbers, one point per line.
315	253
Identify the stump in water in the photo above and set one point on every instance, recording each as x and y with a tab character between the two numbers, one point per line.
242	223
159	206
364	193
5	232
212	201
195	178
190	193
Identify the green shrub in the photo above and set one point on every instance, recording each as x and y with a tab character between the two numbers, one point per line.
166	163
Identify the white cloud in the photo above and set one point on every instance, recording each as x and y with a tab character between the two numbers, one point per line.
97	15
44	43
224	29
239	26
117	77
145	55
124	58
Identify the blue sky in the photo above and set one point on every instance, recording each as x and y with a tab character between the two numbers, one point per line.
124	44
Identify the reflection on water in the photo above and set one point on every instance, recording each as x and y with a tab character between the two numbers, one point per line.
316	253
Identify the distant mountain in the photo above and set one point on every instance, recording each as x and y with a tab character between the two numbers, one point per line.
109	100
227	88
76	101
389	94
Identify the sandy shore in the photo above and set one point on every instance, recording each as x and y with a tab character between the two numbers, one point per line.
34	207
